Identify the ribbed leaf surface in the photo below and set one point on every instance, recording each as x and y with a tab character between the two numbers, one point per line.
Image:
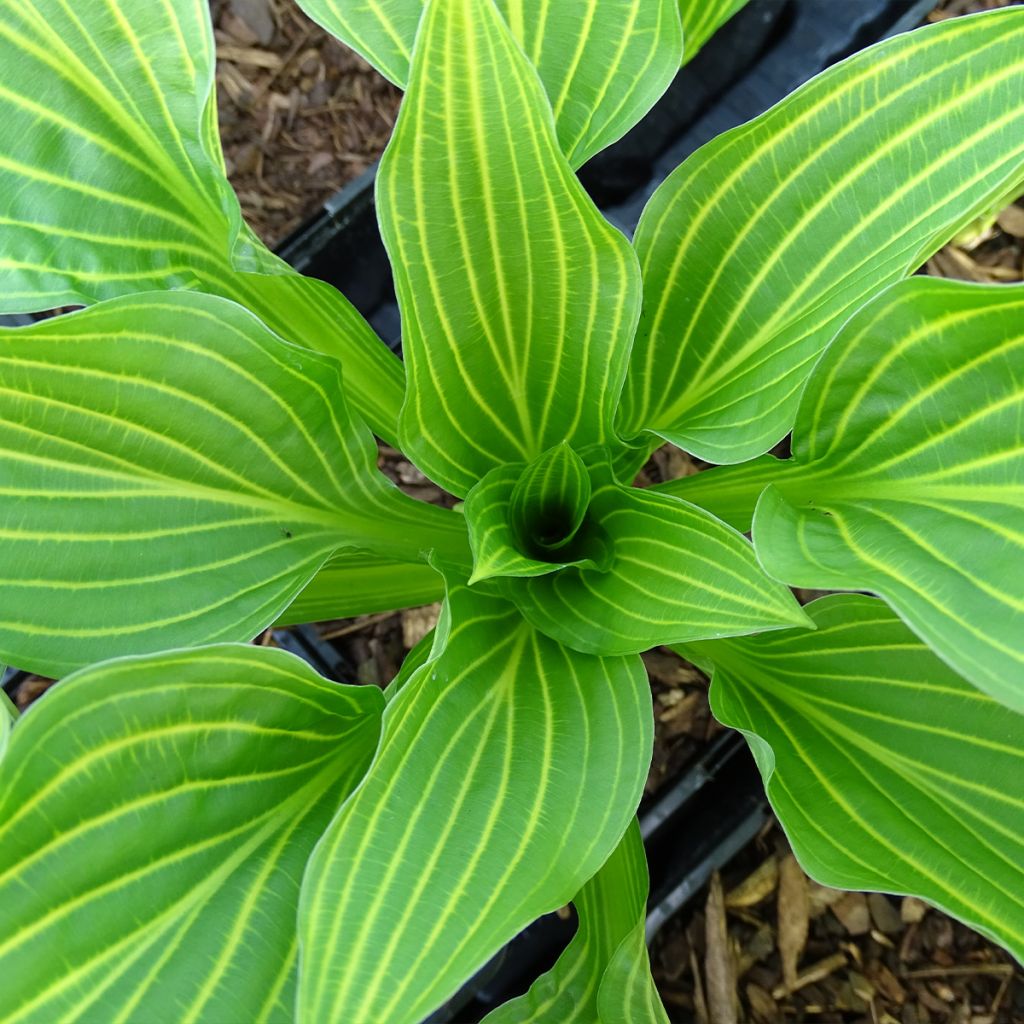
602	956
112	181
760	245
677	574
508	771
156	815
357	583
909	473
518	298
886	769
603	62
172	473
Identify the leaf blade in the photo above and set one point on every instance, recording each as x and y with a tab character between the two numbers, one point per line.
503	265
195	867
148	205
621	55
907	473
488	682
603	974
727	338
149	461
888	771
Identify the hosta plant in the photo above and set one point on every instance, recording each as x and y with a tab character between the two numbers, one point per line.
195	829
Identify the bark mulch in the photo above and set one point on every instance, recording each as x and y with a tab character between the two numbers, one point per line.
300	114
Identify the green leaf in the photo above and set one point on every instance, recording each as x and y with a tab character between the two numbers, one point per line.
760	245
518	298
628	994
729	492
550	499
702	19
156	815
887	771
497	541
908	474
121	92
8	716
677	574
603	63
508	771
172	474
603	965
354	583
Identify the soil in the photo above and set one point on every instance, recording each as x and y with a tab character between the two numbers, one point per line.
300	116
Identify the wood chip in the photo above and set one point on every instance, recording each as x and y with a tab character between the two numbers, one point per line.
718	966
793	916
912	909
249	55
816	972
886	917
1011	220
852	911
762	1006
257	16
418	622
757	886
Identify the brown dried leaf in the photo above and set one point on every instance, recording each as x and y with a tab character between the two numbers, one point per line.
793	916
718	966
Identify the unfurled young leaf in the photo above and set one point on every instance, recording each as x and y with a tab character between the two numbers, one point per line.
603	63
886	769
508	771
156	815
761	244
678	574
